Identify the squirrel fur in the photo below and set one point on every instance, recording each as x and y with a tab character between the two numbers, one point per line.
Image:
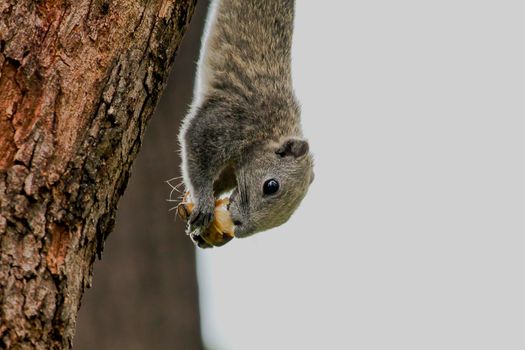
243	130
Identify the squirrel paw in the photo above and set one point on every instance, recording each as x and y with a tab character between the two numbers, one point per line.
199	241
202	216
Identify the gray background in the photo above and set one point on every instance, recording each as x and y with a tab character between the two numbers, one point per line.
412	236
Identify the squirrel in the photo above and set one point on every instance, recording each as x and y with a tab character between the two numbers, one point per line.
242	133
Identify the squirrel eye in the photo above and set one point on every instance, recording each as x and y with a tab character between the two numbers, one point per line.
270	187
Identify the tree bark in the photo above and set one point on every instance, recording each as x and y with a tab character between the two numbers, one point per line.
78	83
144	293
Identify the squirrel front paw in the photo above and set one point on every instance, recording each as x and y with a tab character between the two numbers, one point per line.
202	215
200	242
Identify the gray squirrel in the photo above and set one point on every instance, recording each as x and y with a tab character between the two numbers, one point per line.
243	130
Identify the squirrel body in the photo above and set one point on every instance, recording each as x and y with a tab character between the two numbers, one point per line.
243	130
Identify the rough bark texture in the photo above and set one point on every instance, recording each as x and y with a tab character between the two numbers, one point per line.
144	293
78	83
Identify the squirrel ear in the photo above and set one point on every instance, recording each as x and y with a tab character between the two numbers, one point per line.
293	147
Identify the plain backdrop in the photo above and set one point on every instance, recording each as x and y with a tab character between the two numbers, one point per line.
412	235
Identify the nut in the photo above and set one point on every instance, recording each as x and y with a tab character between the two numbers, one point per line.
221	229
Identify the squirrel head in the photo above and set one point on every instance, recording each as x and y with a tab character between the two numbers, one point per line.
272	179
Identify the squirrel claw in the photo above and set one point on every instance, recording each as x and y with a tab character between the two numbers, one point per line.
201	218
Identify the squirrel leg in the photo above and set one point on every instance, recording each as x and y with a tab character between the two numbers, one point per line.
203	164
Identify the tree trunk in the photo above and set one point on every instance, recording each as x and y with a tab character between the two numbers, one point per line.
144	293
78	83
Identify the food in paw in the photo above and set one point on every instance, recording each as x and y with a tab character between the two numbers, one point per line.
221	229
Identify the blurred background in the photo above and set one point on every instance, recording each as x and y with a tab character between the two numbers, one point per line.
412	234
144	293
